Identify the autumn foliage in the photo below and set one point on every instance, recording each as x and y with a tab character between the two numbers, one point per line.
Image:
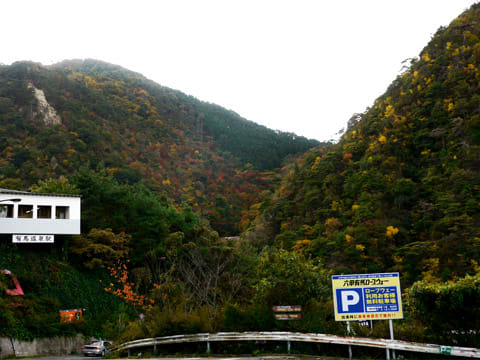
122	288
171	176
400	190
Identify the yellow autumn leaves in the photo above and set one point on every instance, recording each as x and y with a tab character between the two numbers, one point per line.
391	231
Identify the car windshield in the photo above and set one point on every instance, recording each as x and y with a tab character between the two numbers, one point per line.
97	343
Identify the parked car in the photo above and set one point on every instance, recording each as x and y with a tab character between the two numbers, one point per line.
96	348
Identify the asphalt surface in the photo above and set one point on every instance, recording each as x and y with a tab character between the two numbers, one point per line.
76	357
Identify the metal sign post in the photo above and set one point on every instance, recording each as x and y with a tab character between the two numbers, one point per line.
390	323
349	346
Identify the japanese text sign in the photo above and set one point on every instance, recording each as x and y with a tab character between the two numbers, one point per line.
367	297
33	239
288	316
287	308
287	312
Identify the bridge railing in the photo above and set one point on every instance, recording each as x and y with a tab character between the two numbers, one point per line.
301	337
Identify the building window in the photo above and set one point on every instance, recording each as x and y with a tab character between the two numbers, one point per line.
25	211
61	212
6	211
44	212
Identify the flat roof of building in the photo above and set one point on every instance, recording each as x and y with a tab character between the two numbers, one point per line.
17	192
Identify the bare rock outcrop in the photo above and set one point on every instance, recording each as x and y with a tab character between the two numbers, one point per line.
44	110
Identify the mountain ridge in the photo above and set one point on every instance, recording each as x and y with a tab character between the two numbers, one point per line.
192	151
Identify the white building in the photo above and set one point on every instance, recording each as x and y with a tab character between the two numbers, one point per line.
24	212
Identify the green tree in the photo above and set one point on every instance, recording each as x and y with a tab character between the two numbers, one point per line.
61	185
288	278
100	247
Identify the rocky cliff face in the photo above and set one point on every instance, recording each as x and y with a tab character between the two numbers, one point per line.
44	110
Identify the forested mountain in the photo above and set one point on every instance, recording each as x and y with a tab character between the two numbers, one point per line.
55	119
399	192
401	189
151	164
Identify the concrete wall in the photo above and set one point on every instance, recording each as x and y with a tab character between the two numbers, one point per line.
40	226
34	225
47	346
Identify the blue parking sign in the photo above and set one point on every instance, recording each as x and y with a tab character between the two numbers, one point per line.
350	301
367	297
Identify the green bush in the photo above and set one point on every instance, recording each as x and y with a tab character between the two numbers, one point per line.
257	317
449	311
51	285
178	321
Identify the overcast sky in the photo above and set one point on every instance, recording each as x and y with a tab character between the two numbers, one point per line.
299	66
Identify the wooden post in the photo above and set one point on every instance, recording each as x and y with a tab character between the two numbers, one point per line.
288	346
208	347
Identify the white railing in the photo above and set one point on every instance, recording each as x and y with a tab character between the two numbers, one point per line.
300	337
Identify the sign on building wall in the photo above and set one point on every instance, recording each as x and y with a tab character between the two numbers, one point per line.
33	239
367	297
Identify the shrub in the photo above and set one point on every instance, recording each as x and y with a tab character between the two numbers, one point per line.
449	310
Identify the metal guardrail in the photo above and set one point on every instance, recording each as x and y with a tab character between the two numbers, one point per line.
301	337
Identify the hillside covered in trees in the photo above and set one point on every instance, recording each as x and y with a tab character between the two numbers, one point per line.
399	192
104	116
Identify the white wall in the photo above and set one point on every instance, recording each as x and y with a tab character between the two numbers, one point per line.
32	226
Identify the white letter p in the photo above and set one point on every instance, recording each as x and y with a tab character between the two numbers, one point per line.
349	298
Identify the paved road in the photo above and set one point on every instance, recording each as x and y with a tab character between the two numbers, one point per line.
76	357
69	357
